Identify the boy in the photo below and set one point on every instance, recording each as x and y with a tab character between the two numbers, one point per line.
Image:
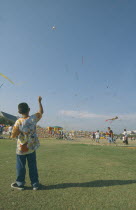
110	135
125	135
27	143
97	136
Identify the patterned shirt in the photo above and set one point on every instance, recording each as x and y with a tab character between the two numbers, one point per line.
25	129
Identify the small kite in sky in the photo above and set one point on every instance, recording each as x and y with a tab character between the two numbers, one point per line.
82	60
53	27
6	78
1	85
115	118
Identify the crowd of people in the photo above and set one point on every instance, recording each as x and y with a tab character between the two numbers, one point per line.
110	136
5	130
96	136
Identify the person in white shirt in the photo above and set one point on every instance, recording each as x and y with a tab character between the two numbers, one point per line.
10	130
97	136
125	135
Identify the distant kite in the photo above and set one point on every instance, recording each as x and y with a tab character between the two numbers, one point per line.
115	118
1	85
53	28
6	78
82	60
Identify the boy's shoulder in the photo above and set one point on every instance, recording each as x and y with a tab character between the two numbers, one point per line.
19	120
36	117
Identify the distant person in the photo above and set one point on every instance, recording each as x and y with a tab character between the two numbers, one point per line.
110	135
1	129
10	130
93	136
97	136
27	143
125	137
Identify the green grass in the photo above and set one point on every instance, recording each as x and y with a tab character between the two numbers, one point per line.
74	175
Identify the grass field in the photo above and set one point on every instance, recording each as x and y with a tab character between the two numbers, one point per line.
73	175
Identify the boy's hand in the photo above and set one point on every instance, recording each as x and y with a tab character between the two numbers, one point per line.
39	99
40	105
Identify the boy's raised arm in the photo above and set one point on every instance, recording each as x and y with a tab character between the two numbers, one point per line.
40	105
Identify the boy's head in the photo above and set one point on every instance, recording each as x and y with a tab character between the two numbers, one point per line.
125	130
23	108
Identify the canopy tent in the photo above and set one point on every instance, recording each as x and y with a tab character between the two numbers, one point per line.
55	129
8	116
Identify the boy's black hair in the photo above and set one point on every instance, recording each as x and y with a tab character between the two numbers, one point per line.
23	108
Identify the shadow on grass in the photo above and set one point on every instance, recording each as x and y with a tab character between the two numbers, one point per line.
97	183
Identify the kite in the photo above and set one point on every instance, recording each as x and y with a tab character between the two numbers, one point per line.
115	118
6	78
82	60
1	86
53	28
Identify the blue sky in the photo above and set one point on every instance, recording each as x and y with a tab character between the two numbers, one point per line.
84	70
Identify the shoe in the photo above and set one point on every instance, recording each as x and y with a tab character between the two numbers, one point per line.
15	186
36	187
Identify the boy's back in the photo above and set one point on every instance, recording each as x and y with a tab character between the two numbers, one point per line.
25	129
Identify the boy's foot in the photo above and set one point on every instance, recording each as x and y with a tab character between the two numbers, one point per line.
15	186
36	187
